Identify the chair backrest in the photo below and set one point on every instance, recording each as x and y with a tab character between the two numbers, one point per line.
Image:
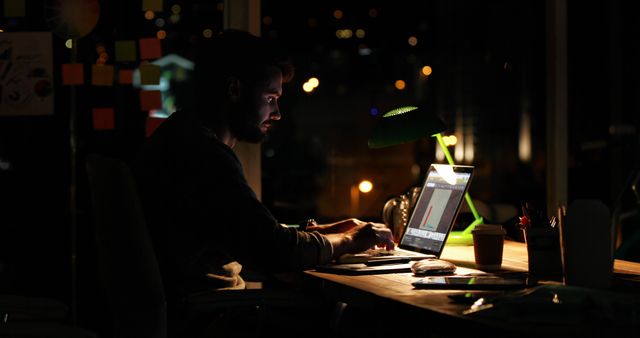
128	265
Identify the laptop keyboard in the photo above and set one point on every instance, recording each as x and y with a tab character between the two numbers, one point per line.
379	252
385	253
373	254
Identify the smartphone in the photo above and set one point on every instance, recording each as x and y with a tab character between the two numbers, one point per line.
472	283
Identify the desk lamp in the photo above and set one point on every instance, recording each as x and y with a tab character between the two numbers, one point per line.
410	123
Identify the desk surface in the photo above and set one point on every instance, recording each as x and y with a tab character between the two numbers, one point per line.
397	287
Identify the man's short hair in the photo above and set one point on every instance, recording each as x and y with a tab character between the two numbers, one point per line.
235	54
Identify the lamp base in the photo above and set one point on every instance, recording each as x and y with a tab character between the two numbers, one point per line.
459	238
463	237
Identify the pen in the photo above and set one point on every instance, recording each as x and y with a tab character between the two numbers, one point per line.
562	212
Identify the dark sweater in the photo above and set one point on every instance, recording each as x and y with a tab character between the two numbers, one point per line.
201	212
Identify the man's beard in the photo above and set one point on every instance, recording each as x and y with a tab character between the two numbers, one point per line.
245	125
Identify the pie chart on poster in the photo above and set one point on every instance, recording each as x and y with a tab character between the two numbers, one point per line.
72	19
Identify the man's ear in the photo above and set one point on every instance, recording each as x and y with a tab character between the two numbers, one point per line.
233	88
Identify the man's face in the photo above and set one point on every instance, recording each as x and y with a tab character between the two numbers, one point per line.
257	109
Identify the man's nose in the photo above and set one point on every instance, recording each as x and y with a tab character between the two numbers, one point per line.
275	115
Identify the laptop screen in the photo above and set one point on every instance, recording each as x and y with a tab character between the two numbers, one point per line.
435	211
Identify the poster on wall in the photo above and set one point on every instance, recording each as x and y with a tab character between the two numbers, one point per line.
26	74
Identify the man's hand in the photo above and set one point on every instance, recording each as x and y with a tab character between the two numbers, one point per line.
359	237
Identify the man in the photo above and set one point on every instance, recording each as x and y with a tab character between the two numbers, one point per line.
205	220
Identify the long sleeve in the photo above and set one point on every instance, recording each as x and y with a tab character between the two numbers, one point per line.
202	214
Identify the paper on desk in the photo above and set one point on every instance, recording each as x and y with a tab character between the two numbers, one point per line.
462	271
564	305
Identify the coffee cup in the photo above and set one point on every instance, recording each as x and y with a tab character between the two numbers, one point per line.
488	243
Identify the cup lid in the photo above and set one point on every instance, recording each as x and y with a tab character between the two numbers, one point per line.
496	229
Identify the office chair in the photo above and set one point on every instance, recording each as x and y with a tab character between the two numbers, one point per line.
132	278
126	259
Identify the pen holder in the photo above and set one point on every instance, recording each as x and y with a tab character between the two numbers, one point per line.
543	249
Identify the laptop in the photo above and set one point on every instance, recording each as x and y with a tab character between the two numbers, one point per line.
429	226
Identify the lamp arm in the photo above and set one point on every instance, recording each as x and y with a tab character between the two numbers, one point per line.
467	197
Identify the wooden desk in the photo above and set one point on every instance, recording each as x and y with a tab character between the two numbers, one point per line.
394	292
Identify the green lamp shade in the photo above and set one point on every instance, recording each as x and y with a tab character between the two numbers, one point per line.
404	124
410	123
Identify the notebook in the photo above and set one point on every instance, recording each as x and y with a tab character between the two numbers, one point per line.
429	226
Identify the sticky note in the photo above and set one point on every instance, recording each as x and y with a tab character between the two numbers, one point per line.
72	74
150	48
150	99
149	74
102	75
152	124
152	5
14	8
103	119
125	50
125	76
